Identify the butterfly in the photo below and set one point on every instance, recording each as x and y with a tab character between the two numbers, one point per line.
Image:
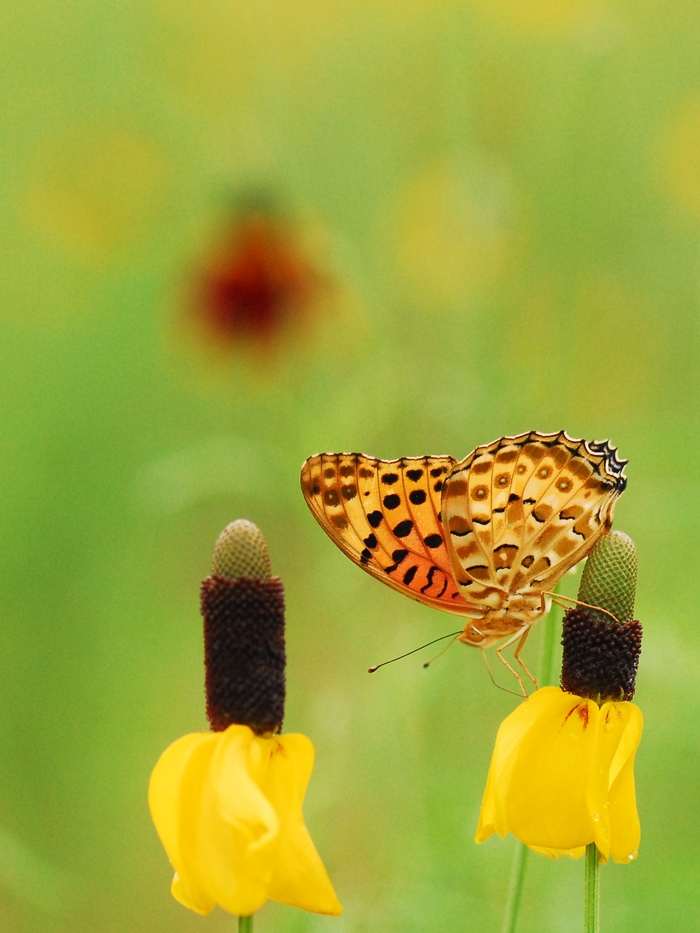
486	538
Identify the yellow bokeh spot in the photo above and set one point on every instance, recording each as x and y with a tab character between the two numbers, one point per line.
452	229
538	17
91	193
680	159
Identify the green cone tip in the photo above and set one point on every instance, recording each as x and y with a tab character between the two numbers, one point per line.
609	578
241	551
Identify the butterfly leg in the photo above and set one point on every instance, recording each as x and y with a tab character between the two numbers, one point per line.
516	655
501	649
493	679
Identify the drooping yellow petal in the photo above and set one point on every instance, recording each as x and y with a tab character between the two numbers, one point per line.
299	877
227	807
561	777
237	772
624	819
559	853
238	831
610	728
492	817
537	782
547	780
173	800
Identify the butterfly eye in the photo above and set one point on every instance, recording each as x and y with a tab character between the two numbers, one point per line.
503	479
544	472
521	469
480	492
564	485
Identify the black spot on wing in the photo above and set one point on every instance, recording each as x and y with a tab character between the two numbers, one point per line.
404	528
418	496
392	502
431	574
375	518
397	556
460	534
410	574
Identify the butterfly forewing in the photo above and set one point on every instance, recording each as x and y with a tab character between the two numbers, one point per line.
384	514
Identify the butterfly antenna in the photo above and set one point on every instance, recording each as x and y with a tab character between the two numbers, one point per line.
371	670
440	653
556	597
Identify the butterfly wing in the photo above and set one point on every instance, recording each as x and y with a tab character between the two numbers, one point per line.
522	510
385	515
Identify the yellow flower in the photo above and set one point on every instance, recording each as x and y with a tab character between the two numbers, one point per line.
227	807
562	777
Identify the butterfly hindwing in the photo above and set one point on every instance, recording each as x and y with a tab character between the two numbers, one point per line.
385	515
522	510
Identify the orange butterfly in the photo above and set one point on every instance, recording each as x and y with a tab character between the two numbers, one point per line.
487	537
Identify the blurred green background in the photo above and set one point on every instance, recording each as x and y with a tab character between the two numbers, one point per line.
494	206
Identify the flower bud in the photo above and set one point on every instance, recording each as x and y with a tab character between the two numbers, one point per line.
244	649
241	551
609	579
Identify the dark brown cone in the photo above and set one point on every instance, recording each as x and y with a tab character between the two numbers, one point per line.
600	655
244	652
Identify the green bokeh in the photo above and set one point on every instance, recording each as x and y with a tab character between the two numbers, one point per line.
505	202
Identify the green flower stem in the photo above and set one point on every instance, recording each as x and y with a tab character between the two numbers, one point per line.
245	924
515	888
549	640
519	866
592	889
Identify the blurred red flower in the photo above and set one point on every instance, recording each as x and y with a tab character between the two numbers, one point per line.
258	281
